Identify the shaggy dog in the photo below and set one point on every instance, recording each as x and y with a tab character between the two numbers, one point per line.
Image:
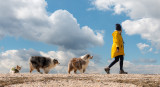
79	63
15	69
37	62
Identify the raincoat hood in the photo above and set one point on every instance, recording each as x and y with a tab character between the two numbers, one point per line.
115	33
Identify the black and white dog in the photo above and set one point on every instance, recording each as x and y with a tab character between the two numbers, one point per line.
45	63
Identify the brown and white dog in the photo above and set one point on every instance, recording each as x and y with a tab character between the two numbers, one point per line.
46	63
79	63
15	69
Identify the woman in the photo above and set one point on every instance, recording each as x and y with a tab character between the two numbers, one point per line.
117	50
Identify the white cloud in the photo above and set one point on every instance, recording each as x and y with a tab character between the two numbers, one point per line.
29	19
102	4
150	50
156	52
145	60
144	69
142	46
133	8
148	28
145	18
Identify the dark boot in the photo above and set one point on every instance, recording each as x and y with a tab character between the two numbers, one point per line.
122	72
107	70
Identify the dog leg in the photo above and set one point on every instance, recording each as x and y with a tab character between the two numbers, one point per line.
70	68
84	70
46	71
39	71
81	71
75	71
31	68
69	71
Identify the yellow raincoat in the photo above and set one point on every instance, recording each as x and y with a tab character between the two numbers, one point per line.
117	42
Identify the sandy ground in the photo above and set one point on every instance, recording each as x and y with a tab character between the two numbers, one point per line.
79	80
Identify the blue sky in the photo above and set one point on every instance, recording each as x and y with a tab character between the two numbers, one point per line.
98	15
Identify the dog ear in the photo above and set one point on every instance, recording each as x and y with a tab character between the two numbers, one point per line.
88	55
55	60
17	66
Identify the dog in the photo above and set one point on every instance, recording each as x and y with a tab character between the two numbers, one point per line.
15	69
79	63
40	62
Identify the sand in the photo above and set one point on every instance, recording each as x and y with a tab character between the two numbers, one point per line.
79	80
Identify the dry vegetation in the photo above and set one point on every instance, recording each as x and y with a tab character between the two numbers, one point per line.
79	80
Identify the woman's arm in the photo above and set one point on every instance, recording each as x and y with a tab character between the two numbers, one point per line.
116	37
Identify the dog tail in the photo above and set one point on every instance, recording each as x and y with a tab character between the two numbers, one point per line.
70	67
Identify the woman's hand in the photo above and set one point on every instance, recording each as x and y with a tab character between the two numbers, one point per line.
117	49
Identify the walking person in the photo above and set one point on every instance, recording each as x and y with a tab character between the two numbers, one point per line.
117	50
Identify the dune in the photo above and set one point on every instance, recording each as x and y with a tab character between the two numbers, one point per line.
79	80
